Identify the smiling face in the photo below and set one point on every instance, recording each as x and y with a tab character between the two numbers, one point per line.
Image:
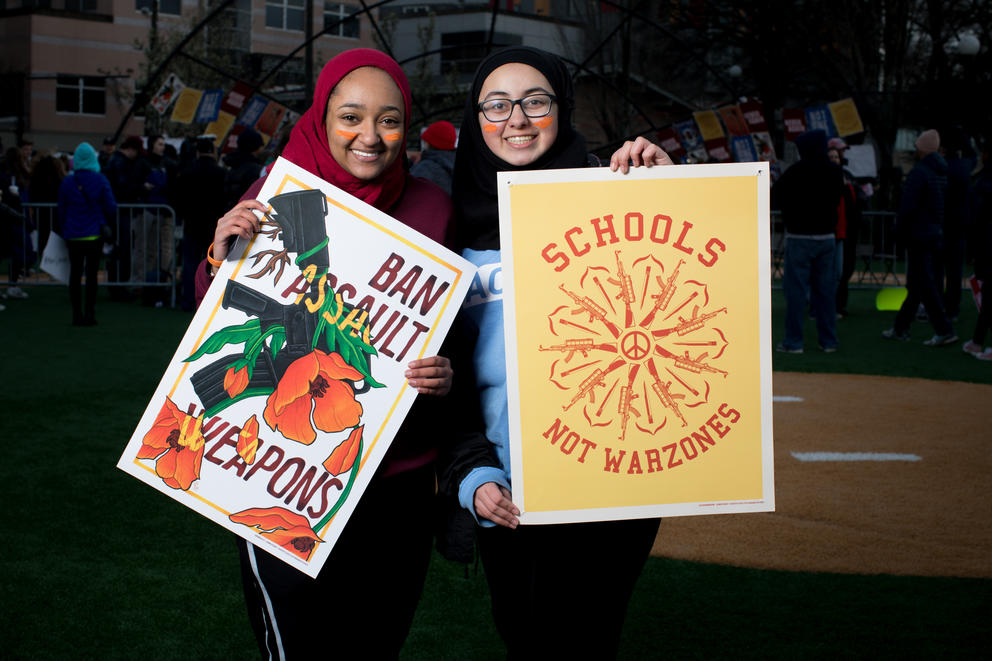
519	140
364	122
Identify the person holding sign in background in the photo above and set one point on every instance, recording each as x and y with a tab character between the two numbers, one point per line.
518	117
362	603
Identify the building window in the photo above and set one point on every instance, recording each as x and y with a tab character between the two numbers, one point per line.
334	12
82	6
81	95
284	14
173	7
462	51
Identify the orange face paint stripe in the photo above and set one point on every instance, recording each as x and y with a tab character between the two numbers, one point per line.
393	137
544	122
350	135
490	128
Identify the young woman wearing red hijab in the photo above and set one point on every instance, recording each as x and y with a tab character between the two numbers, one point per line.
362	602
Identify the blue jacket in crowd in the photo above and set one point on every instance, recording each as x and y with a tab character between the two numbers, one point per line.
921	210
86	202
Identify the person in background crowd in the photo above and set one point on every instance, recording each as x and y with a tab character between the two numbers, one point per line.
518	117
199	205
245	166
15	177
26	148
960	159
848	225
86	206
126	178
154	228
808	194
981	247
919	227
105	153
46	177
437	160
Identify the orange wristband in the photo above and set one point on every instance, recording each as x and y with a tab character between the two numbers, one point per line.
210	257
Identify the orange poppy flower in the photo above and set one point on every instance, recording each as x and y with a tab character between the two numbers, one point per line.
287	529
314	383
235	381
176	442
248	440
343	456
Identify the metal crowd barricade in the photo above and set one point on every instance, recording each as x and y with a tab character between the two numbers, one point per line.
142	251
878	262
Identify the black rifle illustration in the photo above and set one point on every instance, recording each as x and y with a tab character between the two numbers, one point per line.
581	346
298	324
594	311
299	222
626	290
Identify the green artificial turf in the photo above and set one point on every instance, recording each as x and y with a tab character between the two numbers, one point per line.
97	565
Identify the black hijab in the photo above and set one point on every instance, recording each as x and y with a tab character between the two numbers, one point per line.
473	189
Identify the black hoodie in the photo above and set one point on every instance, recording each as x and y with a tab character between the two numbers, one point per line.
810	190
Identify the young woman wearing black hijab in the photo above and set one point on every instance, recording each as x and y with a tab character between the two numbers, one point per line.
561	589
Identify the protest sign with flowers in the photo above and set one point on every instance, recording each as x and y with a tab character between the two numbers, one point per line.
289	384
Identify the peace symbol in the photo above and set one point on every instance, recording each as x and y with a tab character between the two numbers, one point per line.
636	345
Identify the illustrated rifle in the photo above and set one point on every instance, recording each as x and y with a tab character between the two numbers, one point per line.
686	326
597	378
301	218
664	393
587	305
685	362
626	290
627	396
664	297
583	346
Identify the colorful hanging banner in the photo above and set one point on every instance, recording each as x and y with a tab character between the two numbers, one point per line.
220	127
818	117
186	105
209	105
719	150
795	123
253	109
639	351
744	150
734	120
669	141
846	118
709	124
688	133
270	119
754	115
167	93
235	99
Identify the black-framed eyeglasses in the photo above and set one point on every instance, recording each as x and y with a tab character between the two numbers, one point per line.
535	105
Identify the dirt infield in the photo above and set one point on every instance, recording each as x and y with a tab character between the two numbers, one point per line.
930	517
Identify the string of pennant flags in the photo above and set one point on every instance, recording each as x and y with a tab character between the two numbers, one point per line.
740	132
730	133
226	115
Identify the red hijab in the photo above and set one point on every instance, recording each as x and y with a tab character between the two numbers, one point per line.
308	147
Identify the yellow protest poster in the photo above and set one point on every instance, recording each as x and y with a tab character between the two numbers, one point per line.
846	117
638	340
186	105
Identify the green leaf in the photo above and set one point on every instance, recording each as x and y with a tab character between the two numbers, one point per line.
243	334
277	342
